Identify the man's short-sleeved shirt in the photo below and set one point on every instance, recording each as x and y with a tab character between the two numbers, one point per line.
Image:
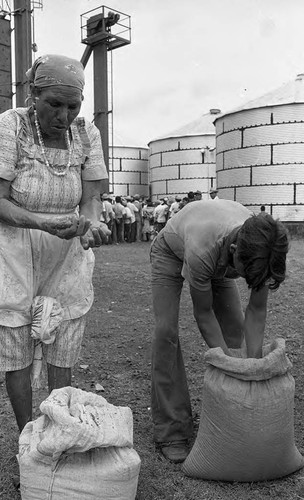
196	235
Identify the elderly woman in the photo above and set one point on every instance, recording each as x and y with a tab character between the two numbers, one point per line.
51	175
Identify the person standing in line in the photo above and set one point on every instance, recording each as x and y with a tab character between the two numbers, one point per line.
133	209
161	212
119	211
263	210
175	206
138	217
127	221
214	194
107	215
191	196
147	215
209	245
183	202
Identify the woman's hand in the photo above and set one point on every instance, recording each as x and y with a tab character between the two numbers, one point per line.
96	235
67	227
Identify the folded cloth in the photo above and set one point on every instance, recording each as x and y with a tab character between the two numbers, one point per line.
47	315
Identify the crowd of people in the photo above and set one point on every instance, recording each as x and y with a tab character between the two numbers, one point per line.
136	218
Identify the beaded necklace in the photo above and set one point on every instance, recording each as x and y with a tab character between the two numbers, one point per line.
41	144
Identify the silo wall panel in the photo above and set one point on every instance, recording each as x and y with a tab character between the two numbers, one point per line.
144	178
126	178
162	173
234	177
288	113
140	189
121	190
261	195
197	171
144	154
278	174
187	185
227	193
243	119
274	134
247	157
182	142
290	213
229	140
117	164
220	161
178	157
210	155
134	165
197	141
162	145
155	160
299	193
131	189
288	153
159	187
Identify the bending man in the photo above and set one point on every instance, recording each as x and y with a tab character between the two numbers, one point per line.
209	245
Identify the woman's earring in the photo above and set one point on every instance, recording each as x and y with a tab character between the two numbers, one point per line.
35	102
28	99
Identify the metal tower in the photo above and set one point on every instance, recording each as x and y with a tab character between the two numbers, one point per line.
23	21
104	30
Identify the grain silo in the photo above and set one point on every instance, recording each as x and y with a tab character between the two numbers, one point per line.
260	152
128	168
184	160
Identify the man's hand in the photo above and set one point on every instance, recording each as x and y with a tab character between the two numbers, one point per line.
95	236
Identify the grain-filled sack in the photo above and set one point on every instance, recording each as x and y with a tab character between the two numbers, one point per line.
246	430
97	474
79	421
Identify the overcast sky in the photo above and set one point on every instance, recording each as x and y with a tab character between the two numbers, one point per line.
185	57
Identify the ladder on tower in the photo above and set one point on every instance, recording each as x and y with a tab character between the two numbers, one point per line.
111	121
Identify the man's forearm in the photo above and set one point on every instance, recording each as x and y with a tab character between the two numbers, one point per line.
254	332
211	331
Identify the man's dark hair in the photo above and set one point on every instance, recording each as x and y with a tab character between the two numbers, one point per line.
118	199
262	246
263	208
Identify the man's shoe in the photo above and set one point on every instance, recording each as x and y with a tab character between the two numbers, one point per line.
175	451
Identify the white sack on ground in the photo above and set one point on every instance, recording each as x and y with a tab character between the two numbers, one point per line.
98	474
246	430
80	420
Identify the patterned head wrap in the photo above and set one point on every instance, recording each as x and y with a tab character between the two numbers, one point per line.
51	70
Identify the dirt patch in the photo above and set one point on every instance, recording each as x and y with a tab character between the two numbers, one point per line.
116	351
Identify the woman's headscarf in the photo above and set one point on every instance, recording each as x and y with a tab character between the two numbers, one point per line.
50	70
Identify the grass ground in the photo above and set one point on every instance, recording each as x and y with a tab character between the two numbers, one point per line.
117	351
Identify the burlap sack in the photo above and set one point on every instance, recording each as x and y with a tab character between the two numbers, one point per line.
246	430
78	421
97	474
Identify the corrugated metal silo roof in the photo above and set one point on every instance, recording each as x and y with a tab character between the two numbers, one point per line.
289	93
201	126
